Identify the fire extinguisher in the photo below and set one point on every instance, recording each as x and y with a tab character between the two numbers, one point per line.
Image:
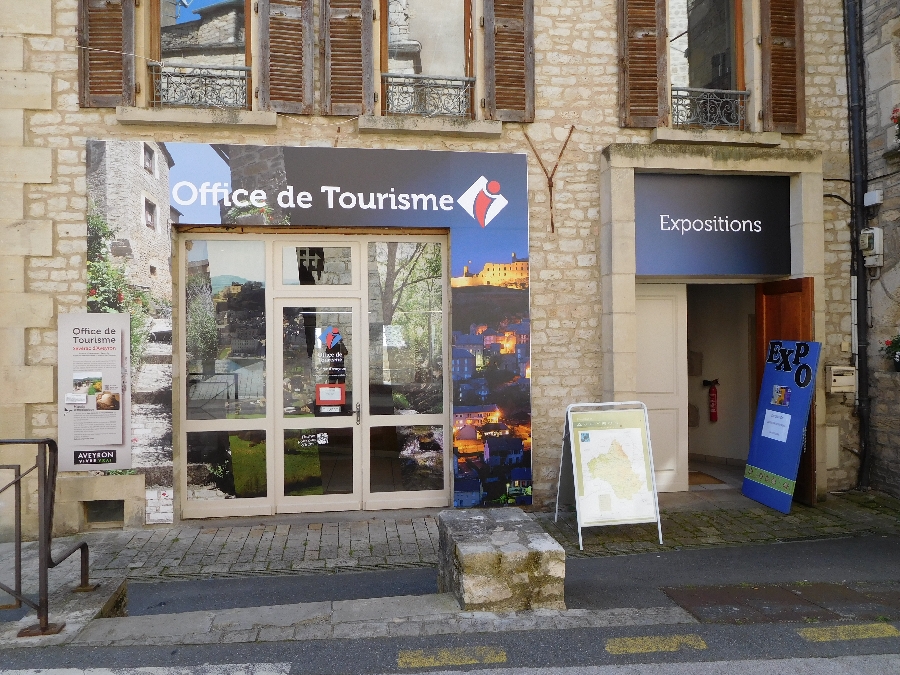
713	399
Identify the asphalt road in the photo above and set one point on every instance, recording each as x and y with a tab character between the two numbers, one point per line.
550	651
591	583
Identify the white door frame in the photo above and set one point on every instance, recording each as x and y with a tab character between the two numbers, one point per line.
279	295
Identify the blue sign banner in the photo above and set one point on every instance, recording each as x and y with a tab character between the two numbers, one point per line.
779	433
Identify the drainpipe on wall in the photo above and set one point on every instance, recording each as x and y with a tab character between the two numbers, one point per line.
856	90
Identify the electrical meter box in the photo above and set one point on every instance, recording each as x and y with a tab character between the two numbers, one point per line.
871	244
840	379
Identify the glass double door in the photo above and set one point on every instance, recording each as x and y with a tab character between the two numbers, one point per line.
351	351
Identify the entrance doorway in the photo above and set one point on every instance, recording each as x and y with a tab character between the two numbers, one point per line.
688	336
721	338
314	373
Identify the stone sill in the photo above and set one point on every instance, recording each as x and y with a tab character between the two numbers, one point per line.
763	139
194	117
430	126
892	154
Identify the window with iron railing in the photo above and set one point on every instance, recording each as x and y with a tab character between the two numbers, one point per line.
705	65
426	62
202	56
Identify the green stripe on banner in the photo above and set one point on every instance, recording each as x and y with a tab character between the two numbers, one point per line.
769	479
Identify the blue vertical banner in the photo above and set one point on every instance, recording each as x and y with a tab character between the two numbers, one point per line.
779	433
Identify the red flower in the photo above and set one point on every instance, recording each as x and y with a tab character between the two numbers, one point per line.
120	297
888	343
93	291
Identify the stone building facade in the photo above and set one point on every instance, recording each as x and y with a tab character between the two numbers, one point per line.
881	26
573	282
140	219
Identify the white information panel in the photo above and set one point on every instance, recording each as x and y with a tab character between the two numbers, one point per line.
94	392
612	464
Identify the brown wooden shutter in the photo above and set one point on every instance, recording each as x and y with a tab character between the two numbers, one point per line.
106	57
509	60
286	55
346	45
643	63
784	96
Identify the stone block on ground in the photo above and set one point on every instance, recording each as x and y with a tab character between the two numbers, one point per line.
499	560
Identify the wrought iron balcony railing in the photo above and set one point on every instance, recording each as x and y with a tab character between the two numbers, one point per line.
709	108
199	86
428	96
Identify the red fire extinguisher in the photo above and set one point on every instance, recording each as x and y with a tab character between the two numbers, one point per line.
713	399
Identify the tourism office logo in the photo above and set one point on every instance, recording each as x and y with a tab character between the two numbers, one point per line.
483	201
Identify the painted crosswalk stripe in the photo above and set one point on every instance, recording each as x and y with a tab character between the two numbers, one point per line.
653	643
859	632
456	656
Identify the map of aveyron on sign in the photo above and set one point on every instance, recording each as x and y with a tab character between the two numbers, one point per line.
614	475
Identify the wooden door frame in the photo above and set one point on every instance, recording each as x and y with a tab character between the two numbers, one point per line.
805	491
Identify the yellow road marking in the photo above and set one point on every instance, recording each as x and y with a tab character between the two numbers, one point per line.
653	643
456	656
863	632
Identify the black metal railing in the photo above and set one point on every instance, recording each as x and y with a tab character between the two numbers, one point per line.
46	465
199	86
709	108
427	96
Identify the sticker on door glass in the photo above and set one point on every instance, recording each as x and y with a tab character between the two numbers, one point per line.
335	351
776	425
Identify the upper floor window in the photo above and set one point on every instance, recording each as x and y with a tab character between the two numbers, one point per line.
199	55
150	212
149	159
682	64
426	57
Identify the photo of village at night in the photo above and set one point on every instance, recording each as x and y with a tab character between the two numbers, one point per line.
491	374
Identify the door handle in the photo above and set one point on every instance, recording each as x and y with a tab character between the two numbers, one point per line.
358	413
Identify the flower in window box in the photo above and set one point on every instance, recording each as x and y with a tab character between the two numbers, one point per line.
895	120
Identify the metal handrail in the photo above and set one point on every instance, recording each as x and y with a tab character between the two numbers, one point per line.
46	504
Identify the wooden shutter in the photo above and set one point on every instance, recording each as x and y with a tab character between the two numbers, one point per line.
509	60
643	63
106	57
286	55
784	106
346	44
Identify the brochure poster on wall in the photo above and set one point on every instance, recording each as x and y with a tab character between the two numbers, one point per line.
93	387
779	434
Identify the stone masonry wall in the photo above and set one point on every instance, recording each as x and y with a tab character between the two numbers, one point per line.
42	178
881	26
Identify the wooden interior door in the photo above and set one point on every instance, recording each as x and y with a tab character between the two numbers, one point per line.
661	318
784	311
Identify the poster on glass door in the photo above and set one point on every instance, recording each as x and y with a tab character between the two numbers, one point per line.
93	390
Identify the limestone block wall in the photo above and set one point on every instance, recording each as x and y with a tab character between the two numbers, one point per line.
42	179
882	49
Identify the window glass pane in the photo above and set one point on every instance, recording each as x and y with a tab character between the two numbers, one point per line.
324	266
226	464
318	350
405	328
318	462
702	48
406	458
202	33
426	37
225	329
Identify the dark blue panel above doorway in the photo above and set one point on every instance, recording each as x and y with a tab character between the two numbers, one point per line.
703	225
